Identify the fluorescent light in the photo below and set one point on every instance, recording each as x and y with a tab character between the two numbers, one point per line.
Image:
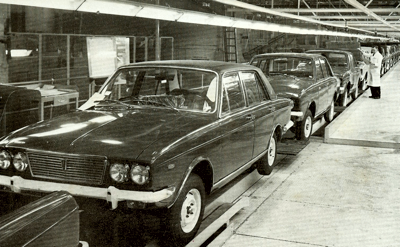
66	4
194	18
143	10
167	14
20	53
105	7
223	21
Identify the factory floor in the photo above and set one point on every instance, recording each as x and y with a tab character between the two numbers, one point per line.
340	190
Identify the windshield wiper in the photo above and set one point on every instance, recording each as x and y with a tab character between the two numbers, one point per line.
116	102
155	102
149	101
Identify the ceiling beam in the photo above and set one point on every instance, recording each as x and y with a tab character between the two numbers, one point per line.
330	10
258	9
364	23
350	17
369	12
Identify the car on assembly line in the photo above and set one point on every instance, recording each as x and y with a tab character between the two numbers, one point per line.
308	80
158	134
345	68
46	222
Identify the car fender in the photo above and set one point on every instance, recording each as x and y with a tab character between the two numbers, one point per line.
307	105
195	163
278	130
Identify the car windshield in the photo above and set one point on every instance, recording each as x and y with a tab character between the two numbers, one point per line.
186	89
288	66
337	60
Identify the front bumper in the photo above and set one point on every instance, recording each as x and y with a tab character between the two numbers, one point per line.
288	126
296	116
110	194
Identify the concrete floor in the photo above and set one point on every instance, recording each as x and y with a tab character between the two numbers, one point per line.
332	194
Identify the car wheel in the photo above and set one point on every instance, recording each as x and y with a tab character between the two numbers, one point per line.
354	95
330	113
267	162
304	128
185	216
344	98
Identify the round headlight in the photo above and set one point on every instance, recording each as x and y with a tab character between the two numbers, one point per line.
119	172
5	159
20	162
140	174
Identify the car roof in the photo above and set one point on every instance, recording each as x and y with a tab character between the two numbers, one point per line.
217	66
330	51
289	54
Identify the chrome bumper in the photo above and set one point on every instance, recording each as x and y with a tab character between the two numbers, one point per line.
288	126
296	114
111	194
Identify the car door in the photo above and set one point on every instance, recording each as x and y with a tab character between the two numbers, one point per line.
354	71
330	82
237	123
324	99
261	107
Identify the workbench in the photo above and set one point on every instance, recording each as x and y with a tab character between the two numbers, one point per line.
57	95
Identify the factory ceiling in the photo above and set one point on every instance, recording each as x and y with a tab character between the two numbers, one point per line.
372	15
368	17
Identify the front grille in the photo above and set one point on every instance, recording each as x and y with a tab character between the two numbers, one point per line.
69	168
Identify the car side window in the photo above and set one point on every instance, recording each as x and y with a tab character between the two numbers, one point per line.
318	68
324	68
253	87
233	96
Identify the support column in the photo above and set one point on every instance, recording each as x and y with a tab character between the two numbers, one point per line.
158	41
4	14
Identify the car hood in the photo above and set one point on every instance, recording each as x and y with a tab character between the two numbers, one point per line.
123	134
289	86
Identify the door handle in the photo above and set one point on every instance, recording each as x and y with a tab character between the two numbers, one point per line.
250	117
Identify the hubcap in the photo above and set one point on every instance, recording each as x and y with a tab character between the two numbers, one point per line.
271	151
307	127
190	210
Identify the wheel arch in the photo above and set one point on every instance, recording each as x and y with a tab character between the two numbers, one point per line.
278	131
312	107
202	167
205	171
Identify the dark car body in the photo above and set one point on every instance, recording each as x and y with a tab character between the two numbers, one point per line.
18	107
50	221
345	68
153	134
307	79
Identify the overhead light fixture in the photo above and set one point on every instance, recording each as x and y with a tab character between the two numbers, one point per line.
157	12
104	7
282	14
166	13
